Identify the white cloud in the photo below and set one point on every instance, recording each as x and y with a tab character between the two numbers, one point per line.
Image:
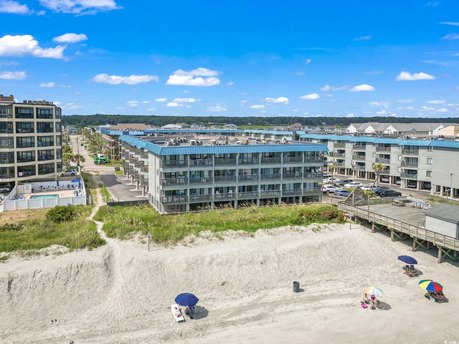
257	106
161	100
350	115
126	80
21	45
450	23
451	36
381	113
407	76
307	61
362	88
216	108
328	88
185	100
443	110
278	100
173	104
47	84
79	6
311	96
405	101
230	83
13	7
151	109
13	75
133	103
200	77
379	104
363	38
436	102
427	108
70	38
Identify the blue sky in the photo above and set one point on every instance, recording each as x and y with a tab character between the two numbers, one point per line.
237	58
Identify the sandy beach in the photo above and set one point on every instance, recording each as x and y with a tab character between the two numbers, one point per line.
120	293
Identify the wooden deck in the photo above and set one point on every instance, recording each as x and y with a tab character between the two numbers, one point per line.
447	246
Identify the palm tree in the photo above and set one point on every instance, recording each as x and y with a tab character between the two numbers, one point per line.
332	169
67	158
378	168
77	158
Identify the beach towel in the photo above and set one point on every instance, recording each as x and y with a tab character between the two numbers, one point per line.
364	305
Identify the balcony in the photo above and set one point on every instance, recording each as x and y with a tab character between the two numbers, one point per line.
313	159
200	162
200	198
224	196
248	177
292	175
271	161
359	147
319	175
407	175
270	176
296	192
339	155
339	145
406	151
385	172
312	191
174	199
252	161
174	181
225	162
406	163
359	167
247	195
383	149
339	164
270	193
201	180
174	164
224	179
383	161
293	160
360	157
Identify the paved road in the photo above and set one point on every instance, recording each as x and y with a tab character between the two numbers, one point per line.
120	188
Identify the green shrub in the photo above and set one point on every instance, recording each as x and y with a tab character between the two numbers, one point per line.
11	227
319	214
61	214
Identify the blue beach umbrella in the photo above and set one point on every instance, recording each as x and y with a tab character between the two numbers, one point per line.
408	260
75	180
186	300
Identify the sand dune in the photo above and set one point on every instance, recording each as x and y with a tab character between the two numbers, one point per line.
121	293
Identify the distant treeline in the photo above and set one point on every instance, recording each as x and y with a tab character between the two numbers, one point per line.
98	119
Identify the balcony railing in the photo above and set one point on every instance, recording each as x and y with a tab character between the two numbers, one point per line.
358	157
339	164
224	196
247	195
296	192
201	162
359	167
270	176
174	164
292	175
248	177
339	145
270	193
174	199
201	180
359	147
313	159
312	191
409	175
174	181
410	151
268	161
253	161
383	149
385	172
339	155
225	162
293	160
409	163
200	198
383	161
223	179
313	175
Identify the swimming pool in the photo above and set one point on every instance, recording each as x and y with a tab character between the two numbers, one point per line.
44	196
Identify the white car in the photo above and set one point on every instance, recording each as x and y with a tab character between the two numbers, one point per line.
352	185
368	187
328	188
329	180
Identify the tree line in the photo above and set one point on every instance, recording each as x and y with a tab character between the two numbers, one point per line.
101	119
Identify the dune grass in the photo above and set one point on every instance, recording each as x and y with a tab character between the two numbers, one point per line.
121	222
19	232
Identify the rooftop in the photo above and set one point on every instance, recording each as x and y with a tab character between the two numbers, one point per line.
445	212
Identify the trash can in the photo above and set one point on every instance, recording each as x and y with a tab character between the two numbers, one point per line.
296	286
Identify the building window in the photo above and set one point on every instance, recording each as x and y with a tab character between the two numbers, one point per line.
429	161
5	112
26	171
25	156
7	172
6	142
58	140
45	141
428	173
46	169
58	127
58	154
6	128
44	127
46	155
24	127
25	142
44	113
24	112
7	158
58	113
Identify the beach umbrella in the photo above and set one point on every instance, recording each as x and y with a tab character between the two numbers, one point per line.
430	285
408	260
374	291
186	299
75	180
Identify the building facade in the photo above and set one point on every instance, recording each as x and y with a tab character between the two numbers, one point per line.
30	141
188	178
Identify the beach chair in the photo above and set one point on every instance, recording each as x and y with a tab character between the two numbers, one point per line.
177	313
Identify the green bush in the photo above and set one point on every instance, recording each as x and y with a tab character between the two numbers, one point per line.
61	214
319	214
11	227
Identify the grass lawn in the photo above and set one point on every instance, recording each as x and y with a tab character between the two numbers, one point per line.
119	173
30	230
121	222
105	194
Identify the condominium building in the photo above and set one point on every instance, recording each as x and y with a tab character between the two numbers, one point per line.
194	175
30	141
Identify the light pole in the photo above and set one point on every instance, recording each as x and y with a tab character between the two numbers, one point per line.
451	185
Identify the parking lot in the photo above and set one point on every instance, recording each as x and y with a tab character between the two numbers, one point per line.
407	214
120	188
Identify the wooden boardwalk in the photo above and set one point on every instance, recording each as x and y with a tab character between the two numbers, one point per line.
447	246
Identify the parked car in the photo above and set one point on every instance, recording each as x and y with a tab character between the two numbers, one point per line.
389	193
329	180
399	202
421	204
352	185
69	172
328	188
368	187
342	193
343	182
378	189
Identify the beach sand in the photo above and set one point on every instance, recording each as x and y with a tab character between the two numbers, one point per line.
120	293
